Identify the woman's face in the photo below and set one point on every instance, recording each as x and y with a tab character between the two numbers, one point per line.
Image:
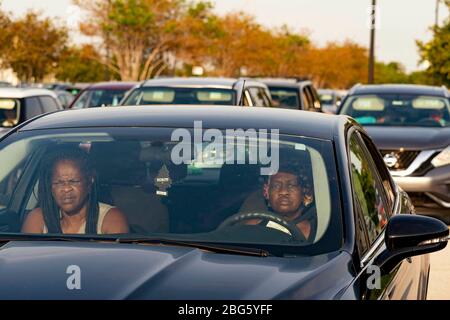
69	187
284	193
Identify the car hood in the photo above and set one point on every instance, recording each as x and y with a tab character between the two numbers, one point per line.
42	270
409	138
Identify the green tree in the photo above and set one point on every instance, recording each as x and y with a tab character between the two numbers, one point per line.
420	77
35	46
5	36
81	64
392	72
436	53
137	35
283	53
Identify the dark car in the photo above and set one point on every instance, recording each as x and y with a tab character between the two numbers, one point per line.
18	105
201	205
102	94
293	94
200	91
410	124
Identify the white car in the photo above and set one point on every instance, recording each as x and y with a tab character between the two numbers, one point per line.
20	104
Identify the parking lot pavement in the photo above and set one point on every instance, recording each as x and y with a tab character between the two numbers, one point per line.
439	282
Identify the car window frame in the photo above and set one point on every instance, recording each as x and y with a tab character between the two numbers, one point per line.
256	91
267	97
248	99
316	99
308	97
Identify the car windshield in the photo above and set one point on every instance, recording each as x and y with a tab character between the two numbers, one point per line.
166	95
9	112
106	97
398	110
246	188
326	98
285	97
99	98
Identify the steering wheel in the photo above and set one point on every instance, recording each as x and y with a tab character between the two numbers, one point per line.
296	234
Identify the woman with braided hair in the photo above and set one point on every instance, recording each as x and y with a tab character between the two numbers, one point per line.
68	201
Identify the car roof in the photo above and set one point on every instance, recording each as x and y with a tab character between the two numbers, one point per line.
113	85
19	93
311	124
206	82
282	82
399	89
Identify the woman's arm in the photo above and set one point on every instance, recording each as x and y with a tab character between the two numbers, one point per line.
34	222
115	222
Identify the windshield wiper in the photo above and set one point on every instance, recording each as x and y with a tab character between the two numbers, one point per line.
51	237
218	248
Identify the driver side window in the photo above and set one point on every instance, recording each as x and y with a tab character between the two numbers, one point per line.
367	189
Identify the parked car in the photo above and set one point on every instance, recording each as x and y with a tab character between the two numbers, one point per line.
411	126
203	91
65	98
331	99
293	94
201	232
19	105
101	94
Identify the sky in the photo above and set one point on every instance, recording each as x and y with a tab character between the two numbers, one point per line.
399	22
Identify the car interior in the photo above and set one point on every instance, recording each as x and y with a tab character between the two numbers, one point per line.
193	202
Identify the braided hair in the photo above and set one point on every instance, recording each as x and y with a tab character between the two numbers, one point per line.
47	203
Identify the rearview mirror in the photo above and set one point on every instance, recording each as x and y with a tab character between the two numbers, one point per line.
409	235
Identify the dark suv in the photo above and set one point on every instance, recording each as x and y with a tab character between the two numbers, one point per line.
200	91
102	94
19	104
293	94
411	126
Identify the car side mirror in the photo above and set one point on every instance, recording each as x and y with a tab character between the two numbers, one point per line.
409	235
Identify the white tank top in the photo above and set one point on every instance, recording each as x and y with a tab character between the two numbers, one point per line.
103	209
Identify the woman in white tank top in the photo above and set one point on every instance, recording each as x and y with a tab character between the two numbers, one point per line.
68	198
103	211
